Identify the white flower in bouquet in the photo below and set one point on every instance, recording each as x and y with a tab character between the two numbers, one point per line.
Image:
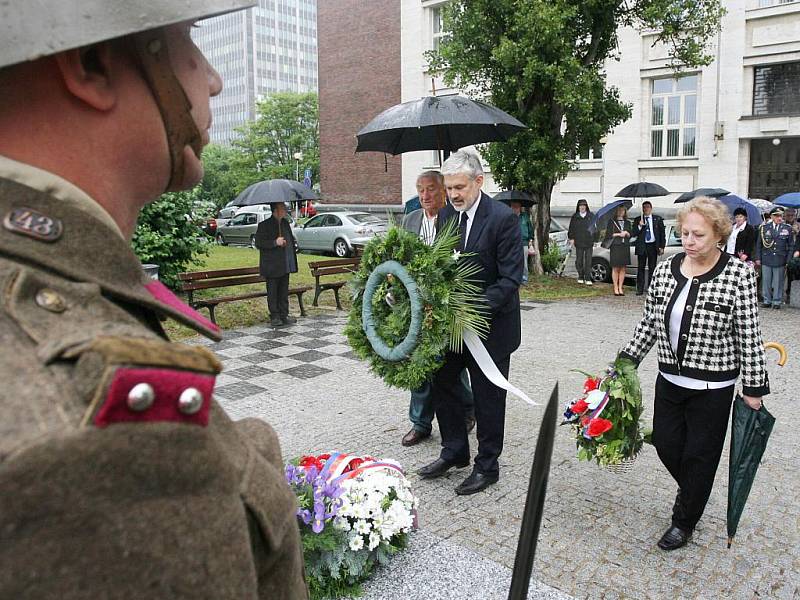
362	527
340	522
374	540
356	543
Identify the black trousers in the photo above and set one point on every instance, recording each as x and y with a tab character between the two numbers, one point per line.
583	262
689	429
278	297
649	260
490	412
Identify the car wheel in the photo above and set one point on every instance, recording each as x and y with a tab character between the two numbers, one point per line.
253	241
601	270
340	248
221	240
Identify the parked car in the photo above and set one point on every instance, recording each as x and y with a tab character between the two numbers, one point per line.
558	236
339	232
601	265
241	228
225	215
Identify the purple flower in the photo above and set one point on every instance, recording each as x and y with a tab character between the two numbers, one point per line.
317	526
305	515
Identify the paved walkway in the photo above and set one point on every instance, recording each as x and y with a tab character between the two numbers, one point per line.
599	529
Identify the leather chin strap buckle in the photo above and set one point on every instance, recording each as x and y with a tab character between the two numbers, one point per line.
170	97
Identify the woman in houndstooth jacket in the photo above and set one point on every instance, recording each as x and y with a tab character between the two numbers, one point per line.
702	311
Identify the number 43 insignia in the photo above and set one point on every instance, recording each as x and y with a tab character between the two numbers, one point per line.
27	221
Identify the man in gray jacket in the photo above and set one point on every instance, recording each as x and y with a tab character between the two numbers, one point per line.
430	187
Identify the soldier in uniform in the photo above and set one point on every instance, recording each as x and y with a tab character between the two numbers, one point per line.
120	475
774	247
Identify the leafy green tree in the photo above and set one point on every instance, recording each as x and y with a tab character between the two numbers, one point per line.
287	123
543	62
166	235
226	174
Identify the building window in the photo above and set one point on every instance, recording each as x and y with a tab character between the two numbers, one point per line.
776	90
765	3
586	152
436	27
673	117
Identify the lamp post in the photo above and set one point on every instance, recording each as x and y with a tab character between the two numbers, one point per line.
603	141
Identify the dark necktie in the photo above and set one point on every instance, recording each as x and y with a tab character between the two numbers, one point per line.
462	231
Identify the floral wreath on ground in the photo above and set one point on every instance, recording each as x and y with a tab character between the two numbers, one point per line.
354	512
411	302
616	436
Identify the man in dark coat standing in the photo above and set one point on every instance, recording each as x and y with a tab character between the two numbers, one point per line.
278	258
490	231
651	237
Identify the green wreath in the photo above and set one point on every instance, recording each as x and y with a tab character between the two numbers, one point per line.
411	302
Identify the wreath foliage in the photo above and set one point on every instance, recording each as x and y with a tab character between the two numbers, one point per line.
450	302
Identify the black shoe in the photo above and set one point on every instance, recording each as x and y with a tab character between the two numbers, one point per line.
674	538
439	467
287	320
470	424
414	437
476	482
776	306
276	323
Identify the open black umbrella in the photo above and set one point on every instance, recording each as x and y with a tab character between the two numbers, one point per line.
710	192
444	123
750	431
274	190
534	502
508	196
642	189
606	213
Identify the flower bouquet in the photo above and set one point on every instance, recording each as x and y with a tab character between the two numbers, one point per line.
354	512
615	438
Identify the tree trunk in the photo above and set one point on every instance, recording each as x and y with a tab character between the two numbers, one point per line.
541	226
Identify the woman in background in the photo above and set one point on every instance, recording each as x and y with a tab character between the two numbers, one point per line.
619	231
582	239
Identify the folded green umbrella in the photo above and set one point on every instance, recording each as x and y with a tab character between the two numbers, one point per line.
750	430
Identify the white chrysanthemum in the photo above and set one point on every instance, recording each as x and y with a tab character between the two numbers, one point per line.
374	540
361	526
356	543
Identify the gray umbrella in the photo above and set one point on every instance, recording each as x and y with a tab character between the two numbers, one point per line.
508	196
710	192
444	123
274	190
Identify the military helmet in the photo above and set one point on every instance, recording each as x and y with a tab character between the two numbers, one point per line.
36	28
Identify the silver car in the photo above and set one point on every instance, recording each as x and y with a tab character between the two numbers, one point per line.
338	232
241	228
558	236
601	257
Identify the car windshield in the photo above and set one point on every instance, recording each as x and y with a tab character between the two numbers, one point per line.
363	219
555	227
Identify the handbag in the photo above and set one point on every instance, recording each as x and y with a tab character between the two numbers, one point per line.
606	243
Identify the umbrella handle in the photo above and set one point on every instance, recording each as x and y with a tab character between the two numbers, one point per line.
781	350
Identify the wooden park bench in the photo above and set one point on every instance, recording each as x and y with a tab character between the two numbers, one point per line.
206	280
325	268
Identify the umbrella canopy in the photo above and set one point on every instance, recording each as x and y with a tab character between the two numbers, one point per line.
710	192
791	200
274	190
763	205
643	189
750	430
732	202
436	123
606	213
509	196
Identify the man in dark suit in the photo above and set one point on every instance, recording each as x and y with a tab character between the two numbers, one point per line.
651	237
277	258
490	231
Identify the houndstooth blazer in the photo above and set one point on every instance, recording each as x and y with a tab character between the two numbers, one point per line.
720	332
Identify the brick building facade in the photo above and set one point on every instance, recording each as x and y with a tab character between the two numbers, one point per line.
359	77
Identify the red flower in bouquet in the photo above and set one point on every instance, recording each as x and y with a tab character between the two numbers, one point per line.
598	427
592	383
308	461
579	407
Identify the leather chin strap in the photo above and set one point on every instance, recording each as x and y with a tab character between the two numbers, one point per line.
170	97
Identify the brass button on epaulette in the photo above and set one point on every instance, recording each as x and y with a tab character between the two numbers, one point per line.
50	300
141	397
190	401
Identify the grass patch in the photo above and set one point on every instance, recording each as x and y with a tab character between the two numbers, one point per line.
244	313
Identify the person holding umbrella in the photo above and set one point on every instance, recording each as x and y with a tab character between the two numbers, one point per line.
712	336
651	239
277	258
581	237
619	232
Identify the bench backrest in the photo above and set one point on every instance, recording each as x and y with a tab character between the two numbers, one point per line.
202	280
332	267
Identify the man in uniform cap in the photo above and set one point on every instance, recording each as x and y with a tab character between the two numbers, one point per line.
120	475
774	247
